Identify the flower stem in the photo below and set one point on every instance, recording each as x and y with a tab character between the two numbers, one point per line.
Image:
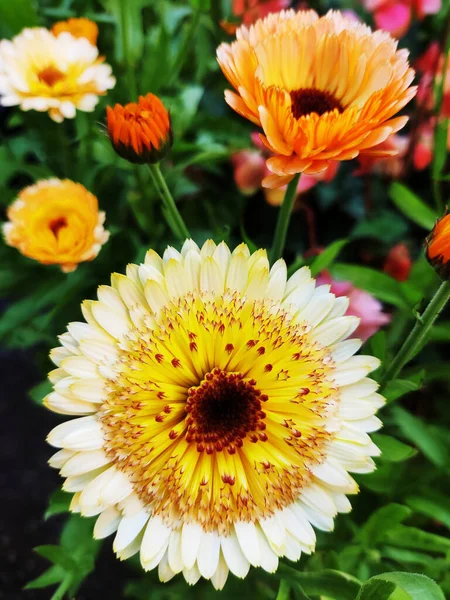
284	216
415	339
173	217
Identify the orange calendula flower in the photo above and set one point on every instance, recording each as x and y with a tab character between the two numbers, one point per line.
56	222
79	28
322	89
438	246
140	132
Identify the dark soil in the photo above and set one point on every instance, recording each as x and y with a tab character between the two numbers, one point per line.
26	482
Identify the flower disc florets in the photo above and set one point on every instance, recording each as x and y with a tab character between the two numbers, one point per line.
224	409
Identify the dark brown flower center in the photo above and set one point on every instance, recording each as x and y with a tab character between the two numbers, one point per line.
309	100
50	75
57	224
222	411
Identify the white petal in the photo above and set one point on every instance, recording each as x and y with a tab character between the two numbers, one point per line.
174	552
84	433
234	556
191	575
107	523
191	536
129	529
83	462
165	573
155	540
249	542
208	554
220	576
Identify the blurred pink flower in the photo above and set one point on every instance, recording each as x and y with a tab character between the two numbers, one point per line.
395	16
362	305
250	169
432	63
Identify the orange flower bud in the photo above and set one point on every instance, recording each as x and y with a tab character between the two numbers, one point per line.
56	222
437	247
140	132
79	28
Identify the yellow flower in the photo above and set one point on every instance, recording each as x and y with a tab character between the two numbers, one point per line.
223	409
59	74
321	88
81	27
56	222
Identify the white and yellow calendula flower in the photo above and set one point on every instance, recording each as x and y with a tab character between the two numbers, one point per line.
56	73
224	409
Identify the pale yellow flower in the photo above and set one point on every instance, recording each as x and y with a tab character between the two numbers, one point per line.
58	74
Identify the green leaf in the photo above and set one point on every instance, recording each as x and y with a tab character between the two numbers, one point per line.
440	149
335	584
440	332
130	30
327	257
417	539
53	575
15	16
417	431
392	450
376	589
57	555
412	206
399	387
378	284
39	391
377	344
59	502
414	586
436	508
381	521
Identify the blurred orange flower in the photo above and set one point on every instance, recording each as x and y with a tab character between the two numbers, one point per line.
79	28
438	246
140	132
56	222
321	88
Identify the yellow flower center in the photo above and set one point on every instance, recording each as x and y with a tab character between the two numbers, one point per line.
218	409
57	224
306	101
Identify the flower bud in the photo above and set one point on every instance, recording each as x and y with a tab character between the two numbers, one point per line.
79	28
140	132
437	246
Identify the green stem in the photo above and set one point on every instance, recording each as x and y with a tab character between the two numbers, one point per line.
174	219
130	68
284	216
415	339
283	590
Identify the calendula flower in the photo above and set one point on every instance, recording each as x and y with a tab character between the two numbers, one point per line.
438	246
223	409
56	73
56	222
79	28
140	132
321	88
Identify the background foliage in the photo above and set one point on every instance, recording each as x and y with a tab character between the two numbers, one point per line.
401	520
